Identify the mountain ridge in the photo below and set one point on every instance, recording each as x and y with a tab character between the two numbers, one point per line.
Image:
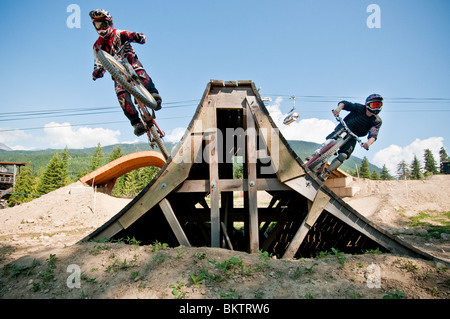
80	157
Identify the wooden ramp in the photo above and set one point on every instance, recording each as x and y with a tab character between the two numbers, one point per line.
192	200
106	176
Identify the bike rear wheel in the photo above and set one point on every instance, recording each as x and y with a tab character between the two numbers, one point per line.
120	74
159	141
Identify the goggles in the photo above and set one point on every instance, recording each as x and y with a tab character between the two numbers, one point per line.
101	24
375	106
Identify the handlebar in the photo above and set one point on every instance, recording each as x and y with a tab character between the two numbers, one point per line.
119	52
340	120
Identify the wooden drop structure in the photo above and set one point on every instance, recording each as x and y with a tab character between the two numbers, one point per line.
195	200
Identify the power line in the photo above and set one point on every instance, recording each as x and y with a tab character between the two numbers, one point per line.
85	124
14	116
325	98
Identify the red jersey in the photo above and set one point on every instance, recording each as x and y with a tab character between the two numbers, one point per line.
112	43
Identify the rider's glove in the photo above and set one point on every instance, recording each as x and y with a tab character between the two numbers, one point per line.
140	38
98	73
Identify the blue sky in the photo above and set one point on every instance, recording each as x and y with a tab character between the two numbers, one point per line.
319	51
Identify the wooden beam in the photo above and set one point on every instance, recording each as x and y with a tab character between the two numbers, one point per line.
228	185
214	190
173	222
225	233
109	231
316	209
251	183
303	186
236	214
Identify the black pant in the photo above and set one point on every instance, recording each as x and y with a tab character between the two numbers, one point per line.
348	147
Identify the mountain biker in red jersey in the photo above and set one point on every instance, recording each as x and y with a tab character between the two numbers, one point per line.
362	120
110	40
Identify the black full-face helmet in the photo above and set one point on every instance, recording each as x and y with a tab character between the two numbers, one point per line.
374	103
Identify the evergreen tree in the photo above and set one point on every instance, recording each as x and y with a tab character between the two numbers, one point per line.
146	174
52	177
364	171
116	153
24	188
415	169
131	184
443	157
385	174
375	175
65	158
430	164
402	170
97	158
119	187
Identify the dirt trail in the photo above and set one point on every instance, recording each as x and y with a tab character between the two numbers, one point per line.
38	253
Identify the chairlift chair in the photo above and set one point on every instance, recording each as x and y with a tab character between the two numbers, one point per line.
292	115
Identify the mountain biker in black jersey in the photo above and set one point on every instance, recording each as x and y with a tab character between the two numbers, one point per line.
362	120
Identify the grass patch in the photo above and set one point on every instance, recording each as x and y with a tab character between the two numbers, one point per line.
436	222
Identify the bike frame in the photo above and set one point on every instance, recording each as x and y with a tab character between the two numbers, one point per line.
331	146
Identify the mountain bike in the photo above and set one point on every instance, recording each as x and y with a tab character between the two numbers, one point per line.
122	71
317	162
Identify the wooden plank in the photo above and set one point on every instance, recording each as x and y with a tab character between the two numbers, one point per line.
272	236
303	186
173	222
214	190
237	185
317	207
315	210
227	238
230	83
109	231
206	120
245	82
251	183
216	82
285	165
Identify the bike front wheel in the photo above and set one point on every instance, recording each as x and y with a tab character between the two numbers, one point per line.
121	75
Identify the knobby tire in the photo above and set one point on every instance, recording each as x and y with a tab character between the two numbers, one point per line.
119	77
322	157
159	141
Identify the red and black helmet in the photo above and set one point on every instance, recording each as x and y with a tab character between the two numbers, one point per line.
374	103
102	21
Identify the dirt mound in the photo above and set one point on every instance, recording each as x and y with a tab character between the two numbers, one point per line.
39	257
416	211
59	218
